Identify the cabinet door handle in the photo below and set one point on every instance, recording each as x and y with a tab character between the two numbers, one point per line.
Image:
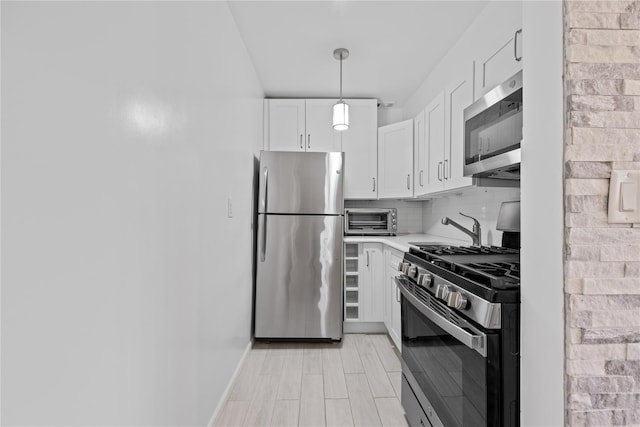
309	140
374	184
421	174
408	182
367	258
445	169
397	293
439	171
301	146
515	46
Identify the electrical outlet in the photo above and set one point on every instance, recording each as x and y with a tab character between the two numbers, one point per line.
229	208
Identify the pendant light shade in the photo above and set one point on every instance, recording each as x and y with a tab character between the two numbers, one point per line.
341	109
340	116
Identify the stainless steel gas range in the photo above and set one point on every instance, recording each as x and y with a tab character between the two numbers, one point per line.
460	336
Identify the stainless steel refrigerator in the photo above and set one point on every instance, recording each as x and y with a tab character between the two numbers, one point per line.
299	251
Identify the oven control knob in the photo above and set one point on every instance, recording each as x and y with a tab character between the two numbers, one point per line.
457	300
413	271
401	266
405	268
442	292
426	280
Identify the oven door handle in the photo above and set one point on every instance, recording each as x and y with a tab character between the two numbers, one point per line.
476	341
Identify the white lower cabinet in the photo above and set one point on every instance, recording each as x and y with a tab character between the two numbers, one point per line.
363	275
372	271
392	318
371	297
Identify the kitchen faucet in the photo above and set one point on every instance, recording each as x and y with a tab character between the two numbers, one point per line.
475	234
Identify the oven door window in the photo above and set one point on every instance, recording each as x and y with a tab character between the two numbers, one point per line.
461	384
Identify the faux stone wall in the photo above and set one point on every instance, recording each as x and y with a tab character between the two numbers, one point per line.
602	261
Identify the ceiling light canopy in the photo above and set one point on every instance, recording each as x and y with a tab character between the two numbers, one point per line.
341	109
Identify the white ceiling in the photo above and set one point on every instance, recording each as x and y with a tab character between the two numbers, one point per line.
393	44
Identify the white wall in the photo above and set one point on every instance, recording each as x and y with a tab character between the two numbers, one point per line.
542	216
126	290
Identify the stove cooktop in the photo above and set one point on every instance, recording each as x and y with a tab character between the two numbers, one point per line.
489	266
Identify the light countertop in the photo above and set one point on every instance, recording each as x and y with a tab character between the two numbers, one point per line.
402	242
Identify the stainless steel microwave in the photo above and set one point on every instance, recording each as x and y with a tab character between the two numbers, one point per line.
361	221
493	132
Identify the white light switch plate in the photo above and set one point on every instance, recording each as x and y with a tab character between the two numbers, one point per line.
624	194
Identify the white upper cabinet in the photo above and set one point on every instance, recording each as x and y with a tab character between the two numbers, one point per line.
500	59
300	125
359	144
439	138
320	135
458	96
420	154
429	147
307	125
284	124
434	131
395	160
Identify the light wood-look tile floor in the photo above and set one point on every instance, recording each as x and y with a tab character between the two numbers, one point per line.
353	383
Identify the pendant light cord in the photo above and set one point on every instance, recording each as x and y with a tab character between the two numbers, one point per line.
340	76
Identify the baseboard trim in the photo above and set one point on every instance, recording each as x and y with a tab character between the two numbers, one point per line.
364	328
227	390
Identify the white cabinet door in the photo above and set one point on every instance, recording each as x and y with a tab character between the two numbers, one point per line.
499	62
372	288
320	135
392	302
360	147
395	160
458	96
285	125
434	114
420	155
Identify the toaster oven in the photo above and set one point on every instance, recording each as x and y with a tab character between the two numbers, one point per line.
361	221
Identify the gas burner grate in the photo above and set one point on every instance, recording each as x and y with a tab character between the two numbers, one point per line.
491	266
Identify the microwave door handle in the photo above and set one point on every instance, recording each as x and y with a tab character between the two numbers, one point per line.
477	342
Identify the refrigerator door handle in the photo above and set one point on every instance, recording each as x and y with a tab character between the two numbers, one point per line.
263	247
262	225
265	172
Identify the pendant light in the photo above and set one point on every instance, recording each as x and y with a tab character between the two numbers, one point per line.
341	109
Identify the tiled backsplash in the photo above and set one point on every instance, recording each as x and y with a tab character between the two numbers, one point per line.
425	216
409	212
480	203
